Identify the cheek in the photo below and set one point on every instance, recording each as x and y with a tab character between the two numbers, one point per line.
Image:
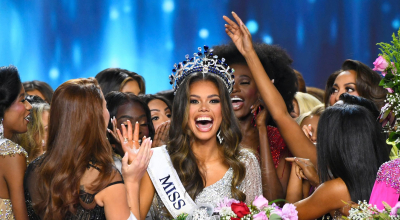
145	131
332	99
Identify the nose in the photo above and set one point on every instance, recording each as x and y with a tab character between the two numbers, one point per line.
236	87
28	105
203	107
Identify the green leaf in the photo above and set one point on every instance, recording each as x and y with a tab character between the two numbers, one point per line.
277	200
274	217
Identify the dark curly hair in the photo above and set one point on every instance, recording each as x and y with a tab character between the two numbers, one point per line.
10	86
275	61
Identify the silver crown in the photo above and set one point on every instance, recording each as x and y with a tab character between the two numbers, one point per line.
204	62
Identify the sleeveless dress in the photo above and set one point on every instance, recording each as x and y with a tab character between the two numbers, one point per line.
88	211
215	193
387	185
9	149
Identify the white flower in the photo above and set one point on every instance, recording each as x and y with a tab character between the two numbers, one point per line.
227	211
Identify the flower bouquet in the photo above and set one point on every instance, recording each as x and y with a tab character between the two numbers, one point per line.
388	63
231	209
260	209
363	210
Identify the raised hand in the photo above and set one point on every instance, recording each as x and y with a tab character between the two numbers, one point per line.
161	136
129	142
239	34
134	171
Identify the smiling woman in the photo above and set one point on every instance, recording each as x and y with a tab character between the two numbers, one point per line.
14	112
357	79
203	145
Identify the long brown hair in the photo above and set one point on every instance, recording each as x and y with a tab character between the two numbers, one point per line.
181	138
77	135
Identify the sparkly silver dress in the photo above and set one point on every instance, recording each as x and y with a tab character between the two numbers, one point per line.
215	193
9	149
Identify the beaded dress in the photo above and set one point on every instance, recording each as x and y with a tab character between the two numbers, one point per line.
9	148
387	185
215	193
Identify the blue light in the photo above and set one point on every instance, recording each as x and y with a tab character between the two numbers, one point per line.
396	23
385	7
252	25
311	1
76	54
168	6
54	73
169	45
268	39
114	14
300	33
203	33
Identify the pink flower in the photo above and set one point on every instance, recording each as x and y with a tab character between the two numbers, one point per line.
277	212
394	209
390	90
260	202
289	212
225	203
380	64
260	216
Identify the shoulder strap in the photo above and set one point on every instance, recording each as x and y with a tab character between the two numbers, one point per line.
7	147
168	185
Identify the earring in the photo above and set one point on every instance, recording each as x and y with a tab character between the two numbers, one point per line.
220	138
1	129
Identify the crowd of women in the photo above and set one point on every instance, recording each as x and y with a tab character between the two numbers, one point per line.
97	148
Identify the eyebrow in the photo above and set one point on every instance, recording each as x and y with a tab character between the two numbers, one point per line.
210	96
22	95
344	84
244	76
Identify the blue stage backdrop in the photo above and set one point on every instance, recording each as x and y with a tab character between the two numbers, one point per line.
59	40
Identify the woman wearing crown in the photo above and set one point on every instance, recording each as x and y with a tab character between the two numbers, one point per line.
203	162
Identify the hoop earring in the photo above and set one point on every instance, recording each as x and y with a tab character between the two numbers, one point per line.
220	138
1	129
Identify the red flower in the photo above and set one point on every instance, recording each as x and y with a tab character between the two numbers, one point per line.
240	209
232	218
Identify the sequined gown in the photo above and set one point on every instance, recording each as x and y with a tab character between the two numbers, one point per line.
9	149
213	194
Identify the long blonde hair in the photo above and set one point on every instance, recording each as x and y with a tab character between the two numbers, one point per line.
31	141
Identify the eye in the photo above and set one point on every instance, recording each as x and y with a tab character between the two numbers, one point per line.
155	118
334	90
215	101
168	115
244	83
194	101
350	90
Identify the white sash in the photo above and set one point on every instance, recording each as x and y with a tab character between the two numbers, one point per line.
168	185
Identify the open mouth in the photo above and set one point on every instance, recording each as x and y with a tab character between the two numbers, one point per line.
237	103
204	123
28	117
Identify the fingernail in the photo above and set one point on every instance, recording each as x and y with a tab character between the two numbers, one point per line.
299	178
108	130
127	120
310	133
251	106
137	122
144	136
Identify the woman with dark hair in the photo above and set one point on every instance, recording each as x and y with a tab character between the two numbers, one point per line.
339	154
351	147
356	79
261	135
160	109
116	79
124	107
14	118
39	88
203	148
75	178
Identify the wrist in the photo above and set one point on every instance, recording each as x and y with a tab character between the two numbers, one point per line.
249	56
